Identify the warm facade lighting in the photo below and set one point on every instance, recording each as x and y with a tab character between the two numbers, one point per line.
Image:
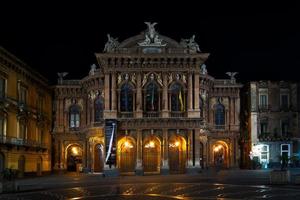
217	148
151	144
128	145
75	150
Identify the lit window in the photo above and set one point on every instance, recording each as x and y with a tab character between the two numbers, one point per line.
220	115
263	101
177	98
285	150
264	155
74	116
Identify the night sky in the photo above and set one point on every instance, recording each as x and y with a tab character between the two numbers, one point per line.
258	41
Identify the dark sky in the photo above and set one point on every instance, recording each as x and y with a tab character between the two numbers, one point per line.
259	41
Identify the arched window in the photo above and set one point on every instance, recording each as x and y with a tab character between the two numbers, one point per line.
177	98
152	97
220	115
98	109
3	123
126	98
74	116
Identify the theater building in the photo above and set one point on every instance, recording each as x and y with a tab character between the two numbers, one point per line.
25	118
148	106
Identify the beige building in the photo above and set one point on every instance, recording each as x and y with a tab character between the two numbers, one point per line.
25	117
273	121
150	107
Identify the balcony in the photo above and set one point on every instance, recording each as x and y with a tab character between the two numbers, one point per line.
264	108
22	142
125	115
151	114
178	114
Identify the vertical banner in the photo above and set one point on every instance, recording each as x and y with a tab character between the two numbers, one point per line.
110	141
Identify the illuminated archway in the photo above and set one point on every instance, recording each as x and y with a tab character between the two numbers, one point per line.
98	158
74	157
126	156
151	154
177	154
220	154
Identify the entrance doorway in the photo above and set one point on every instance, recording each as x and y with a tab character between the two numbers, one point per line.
220	155
74	158
98	158
126	154
177	155
151	154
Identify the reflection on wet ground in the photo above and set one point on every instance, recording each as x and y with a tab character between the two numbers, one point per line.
157	191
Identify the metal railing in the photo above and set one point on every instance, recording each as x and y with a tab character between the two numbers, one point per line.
126	114
21	142
264	107
151	114
178	114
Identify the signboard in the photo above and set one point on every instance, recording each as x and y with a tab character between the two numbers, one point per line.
110	141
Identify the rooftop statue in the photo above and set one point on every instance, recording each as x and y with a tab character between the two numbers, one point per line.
111	44
203	69
61	75
93	69
232	76
151	37
190	44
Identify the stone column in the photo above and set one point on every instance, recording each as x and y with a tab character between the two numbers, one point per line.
190	92
197	148
165	152
138	111
237	112
190	148
196	93
106	96
139	147
165	110
113	96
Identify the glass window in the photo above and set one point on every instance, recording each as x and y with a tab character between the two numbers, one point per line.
284	101
220	115
151	97
263	127
98	109
177	98
126	98
2	87
264	154
263	100
40	103
22	130
285	150
23	95
74	116
2	125
284	128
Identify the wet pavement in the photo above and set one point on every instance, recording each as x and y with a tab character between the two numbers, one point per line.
224	185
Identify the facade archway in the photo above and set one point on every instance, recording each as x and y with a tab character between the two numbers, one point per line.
2	162
98	158
21	165
220	154
74	157
126	156
177	154
151	154
39	166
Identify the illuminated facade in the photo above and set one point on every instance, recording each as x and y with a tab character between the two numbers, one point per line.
25	118
273	121
155	97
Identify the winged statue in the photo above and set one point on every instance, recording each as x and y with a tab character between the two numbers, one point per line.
232	75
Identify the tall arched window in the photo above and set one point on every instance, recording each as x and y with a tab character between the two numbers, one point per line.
126	98
98	109
219	115
177	98
74	116
152	101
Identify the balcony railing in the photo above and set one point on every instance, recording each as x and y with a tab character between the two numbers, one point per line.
151	114
21	142
126	114
264	107
178	114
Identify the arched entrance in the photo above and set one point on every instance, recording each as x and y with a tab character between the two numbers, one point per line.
2	162
39	166
220	154
177	154
126	154
151	154
21	165
74	157
98	158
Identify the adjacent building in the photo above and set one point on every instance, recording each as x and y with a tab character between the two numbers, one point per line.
148	106
272	120
25	117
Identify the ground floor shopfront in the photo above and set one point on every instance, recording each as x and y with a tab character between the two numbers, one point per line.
146	151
